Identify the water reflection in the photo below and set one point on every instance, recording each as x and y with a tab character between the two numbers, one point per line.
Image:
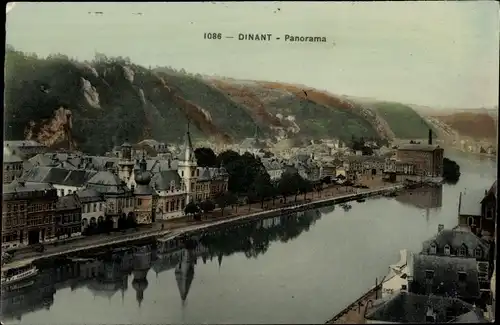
108	273
430	197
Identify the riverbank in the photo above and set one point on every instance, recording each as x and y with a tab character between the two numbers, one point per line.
89	243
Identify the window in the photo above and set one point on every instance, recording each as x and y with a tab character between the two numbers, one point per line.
462	276
433	249
447	250
470	222
95	207
403	287
430	319
478	252
463	250
429	274
100	206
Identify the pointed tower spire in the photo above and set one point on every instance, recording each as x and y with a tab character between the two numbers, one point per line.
188	150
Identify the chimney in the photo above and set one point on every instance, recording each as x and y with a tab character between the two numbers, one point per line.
430	137
440	228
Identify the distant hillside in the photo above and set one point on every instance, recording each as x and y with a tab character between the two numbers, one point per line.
95	105
477	125
403	120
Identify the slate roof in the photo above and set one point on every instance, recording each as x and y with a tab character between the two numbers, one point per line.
212	173
161	181
470	203
88	195
10	157
68	202
58	176
445	280
106	182
418	147
272	164
455	238
22	143
406	307
18	186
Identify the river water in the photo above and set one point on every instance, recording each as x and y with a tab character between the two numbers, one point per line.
296	269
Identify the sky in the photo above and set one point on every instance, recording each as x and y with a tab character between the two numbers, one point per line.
439	54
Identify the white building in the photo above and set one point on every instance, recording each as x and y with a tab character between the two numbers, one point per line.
397	279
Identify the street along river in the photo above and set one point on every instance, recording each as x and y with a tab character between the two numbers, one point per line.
298	269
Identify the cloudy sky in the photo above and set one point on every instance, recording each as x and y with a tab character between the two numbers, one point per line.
441	54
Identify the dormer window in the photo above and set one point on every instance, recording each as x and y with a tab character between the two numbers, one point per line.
462	251
172	186
462	277
429	274
447	250
478	252
433	249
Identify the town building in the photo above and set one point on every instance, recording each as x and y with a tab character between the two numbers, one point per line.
25	148
145	200
444	276
120	203
477	211
427	158
171	192
65	181
12	166
273	167
489	211
93	206
187	168
464	244
68	217
27	214
406	307
397	279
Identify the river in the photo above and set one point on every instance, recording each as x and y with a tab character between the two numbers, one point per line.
298	269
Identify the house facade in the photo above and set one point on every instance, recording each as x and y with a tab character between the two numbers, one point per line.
27	214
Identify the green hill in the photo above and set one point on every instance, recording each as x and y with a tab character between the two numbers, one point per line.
403	120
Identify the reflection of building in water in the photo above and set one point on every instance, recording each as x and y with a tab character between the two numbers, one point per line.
142	263
184	272
423	198
24	299
111	277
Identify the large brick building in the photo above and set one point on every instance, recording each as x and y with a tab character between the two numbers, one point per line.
427	159
27	213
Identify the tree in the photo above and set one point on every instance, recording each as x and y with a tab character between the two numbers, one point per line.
305	186
207	206
262	187
225	199
205	157
288	185
242	170
451	171
191	209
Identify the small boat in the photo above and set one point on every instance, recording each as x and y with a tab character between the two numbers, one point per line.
17	273
361	200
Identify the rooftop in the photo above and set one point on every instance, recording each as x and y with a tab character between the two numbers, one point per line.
417	147
406	307
470	203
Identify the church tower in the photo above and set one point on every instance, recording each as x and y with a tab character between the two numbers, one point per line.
143	194
187	167
125	164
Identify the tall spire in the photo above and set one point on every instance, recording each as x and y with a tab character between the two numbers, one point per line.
188	150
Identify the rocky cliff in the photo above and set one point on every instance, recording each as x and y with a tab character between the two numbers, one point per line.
95	105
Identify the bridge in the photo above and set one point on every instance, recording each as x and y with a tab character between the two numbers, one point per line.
129	238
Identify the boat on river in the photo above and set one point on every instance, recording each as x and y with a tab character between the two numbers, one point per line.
17	273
